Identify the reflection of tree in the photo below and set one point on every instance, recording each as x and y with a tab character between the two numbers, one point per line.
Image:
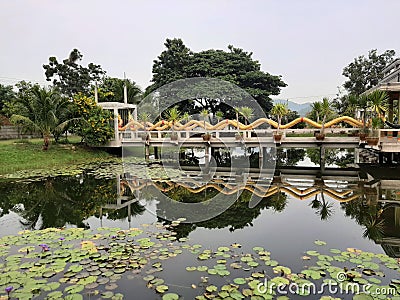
55	202
238	216
338	157
323	208
278	201
368	216
123	213
289	157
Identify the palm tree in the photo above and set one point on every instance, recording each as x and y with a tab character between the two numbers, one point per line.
173	115
187	117
378	102
42	112
219	115
363	104
144	118
204	113
247	113
114	90
316	108
326	111
280	110
352	104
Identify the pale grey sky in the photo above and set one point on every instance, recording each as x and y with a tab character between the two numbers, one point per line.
308	42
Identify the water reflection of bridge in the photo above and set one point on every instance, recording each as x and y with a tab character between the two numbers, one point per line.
302	184
349	186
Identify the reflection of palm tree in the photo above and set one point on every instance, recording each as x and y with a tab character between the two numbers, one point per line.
323	208
373	228
55	202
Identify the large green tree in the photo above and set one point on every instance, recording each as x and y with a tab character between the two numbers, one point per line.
93	123
6	95
170	64
235	66
365	72
71	77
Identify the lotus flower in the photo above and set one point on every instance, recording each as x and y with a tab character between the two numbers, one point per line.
45	247
9	289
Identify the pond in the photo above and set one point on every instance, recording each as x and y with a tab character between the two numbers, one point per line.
300	221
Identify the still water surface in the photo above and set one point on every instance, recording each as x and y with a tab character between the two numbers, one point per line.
344	213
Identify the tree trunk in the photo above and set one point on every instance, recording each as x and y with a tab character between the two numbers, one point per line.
45	142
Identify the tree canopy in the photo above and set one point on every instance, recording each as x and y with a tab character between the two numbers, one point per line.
235	66
43	111
71	77
6	94
112	90
365	72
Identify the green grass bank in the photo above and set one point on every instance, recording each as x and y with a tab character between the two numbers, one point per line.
16	155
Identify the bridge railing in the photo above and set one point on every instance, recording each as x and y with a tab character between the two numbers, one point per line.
389	135
135	135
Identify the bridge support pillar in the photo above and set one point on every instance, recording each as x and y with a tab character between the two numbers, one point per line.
147	152
380	158
322	158
356	155
129	215
156	154
207	156
389	158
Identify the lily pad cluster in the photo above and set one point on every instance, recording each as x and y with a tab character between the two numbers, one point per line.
76	264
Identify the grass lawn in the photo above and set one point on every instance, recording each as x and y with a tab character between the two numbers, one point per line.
18	155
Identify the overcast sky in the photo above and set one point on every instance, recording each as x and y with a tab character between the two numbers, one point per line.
307	42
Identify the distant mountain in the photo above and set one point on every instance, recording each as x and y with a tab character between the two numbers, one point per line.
301	108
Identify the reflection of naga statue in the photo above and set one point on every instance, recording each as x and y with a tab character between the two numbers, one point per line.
120	122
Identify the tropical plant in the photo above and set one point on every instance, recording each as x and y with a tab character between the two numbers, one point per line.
378	102
112	90
376	123
363	105
279	110
173	115
94	123
247	113
219	115
144	118
326	111
352	104
316	109
205	114
43	112
187	117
